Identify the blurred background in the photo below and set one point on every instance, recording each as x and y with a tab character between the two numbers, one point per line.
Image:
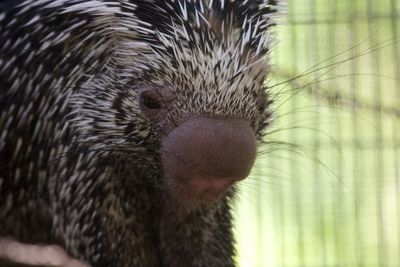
326	190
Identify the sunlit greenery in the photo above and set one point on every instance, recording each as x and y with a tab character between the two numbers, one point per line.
326	190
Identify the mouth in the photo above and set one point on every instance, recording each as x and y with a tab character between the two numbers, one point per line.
204	190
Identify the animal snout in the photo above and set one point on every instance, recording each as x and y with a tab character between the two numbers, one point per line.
203	157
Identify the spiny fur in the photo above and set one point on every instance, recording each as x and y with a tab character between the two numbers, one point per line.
80	164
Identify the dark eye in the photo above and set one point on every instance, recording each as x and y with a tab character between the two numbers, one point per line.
151	102
155	101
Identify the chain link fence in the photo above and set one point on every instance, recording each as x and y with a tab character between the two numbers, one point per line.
326	189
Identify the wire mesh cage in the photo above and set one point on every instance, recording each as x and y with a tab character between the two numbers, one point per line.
326	189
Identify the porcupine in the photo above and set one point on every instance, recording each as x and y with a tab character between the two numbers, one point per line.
125	124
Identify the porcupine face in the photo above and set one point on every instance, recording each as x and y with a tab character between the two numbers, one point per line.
195	99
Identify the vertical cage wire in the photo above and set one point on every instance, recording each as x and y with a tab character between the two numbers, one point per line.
326	189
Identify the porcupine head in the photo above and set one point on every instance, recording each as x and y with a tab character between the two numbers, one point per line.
189	93
180	110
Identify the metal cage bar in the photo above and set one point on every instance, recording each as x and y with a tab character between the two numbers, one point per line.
326	189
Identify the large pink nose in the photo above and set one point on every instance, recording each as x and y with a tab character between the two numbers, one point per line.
203	157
